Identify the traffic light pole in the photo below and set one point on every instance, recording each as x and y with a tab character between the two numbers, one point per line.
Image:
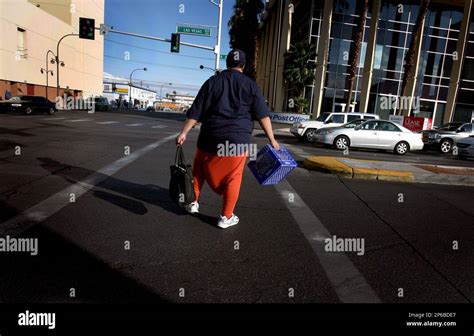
160	39
217	50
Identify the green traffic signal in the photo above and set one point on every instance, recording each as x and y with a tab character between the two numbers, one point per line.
175	39
86	28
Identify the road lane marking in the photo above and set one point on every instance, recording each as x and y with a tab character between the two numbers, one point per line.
349	284
78	120
159	126
58	118
107	122
134	125
45	209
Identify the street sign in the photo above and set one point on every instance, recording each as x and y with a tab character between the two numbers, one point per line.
194	31
223	57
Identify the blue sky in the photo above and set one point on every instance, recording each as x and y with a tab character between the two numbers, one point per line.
159	18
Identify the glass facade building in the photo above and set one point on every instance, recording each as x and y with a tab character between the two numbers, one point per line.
396	22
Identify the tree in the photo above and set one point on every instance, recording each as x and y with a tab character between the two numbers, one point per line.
410	58
299	71
243	31
363	7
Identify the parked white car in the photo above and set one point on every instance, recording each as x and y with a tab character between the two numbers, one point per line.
466	147
306	129
374	134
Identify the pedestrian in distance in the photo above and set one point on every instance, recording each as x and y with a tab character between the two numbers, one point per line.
226	106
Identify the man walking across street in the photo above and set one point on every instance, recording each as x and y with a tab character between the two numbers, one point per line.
226	105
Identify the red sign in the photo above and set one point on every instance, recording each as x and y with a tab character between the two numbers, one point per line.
416	124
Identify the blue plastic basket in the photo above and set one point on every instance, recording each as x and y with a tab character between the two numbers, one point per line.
272	166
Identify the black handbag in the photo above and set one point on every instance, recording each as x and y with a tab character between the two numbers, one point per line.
181	189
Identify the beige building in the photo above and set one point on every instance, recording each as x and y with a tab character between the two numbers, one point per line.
29	28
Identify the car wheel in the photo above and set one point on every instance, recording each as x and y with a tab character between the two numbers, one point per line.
51	111
341	142
445	146
309	134
28	110
402	148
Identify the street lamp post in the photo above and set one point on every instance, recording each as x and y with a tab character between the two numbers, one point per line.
130	85
47	71
161	89
57	61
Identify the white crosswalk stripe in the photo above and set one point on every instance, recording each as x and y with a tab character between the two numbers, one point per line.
78	120
134	125
57	118
159	126
107	122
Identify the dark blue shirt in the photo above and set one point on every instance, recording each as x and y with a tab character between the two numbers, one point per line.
226	105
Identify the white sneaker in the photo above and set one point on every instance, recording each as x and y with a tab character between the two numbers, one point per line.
192	208
225	222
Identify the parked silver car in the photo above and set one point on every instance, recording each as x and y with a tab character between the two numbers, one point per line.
374	134
465	147
445	138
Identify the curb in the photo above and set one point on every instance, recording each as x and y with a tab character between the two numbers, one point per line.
332	165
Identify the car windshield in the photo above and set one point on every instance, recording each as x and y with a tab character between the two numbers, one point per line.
323	117
15	98
450	126
27	98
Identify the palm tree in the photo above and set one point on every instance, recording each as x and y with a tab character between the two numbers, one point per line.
243	31
299	71
355	51
410	58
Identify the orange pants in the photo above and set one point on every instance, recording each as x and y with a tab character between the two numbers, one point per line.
223	174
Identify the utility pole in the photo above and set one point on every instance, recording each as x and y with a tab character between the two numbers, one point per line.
217	49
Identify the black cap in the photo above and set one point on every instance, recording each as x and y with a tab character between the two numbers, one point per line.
235	58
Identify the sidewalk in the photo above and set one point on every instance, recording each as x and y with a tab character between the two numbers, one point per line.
391	171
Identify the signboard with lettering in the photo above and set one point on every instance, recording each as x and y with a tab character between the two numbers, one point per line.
188	30
288	118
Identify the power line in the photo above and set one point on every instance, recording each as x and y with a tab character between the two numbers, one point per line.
158	51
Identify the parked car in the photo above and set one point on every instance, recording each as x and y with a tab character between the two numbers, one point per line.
101	104
306	129
28	105
445	137
322	131
466	147
374	134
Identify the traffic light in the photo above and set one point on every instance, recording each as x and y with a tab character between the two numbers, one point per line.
86	28
175	42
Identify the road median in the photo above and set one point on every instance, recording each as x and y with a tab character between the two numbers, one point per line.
389	171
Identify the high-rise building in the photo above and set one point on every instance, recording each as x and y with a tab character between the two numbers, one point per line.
442	85
30	28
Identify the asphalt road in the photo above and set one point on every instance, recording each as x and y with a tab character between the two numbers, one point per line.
123	240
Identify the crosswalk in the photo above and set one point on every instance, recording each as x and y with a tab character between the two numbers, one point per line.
107	122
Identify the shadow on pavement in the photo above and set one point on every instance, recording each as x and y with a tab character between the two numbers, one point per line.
61	265
148	193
